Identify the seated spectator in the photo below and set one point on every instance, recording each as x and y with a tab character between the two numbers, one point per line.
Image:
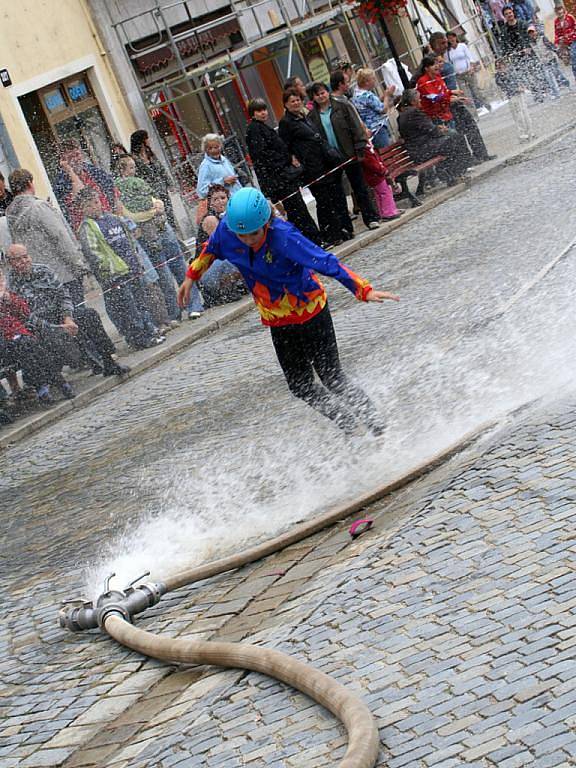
338	123
424	140
109	250
312	151
150	169
373	112
6	196
435	97
23	349
45	233
53	317
76	174
222	282
156	237
376	175
215	168
278	174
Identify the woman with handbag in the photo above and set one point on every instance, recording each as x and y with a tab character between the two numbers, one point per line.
278	175
305	142
338	122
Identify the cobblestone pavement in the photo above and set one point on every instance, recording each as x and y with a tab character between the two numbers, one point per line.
463	585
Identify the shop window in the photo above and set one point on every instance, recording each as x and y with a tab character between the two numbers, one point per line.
67	109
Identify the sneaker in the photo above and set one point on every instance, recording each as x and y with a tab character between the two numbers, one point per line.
174	323
194	315
115	369
44	397
394	216
373	225
482	111
67	391
5	418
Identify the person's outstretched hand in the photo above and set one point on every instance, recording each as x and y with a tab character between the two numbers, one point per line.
184	293
381	296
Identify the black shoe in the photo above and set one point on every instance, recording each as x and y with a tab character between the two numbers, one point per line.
395	216
347	235
97	370
5	419
115	369
67	391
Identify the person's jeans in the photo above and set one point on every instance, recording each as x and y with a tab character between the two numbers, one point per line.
553	87
172	254
572	50
382	137
123	310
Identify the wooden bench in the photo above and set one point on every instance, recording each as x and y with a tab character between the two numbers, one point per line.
400	167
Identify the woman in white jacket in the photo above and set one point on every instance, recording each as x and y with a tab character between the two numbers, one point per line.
215	168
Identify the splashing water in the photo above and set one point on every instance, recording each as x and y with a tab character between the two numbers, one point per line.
229	498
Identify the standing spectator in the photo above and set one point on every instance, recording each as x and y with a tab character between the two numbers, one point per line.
278	174
149	168
565	35
339	124
423	139
54	317
517	48
391	76
463	120
515	92
297	84
215	168
6	196
305	142
105	245
372	111
75	174
466	66
45	233
546	54
375	175
117	151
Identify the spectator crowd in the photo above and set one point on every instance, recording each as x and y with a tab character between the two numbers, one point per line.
119	227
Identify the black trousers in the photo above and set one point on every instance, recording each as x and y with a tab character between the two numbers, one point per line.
356	178
34	358
332	208
466	125
310	348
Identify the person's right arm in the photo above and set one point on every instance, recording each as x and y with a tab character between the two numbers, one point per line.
197	268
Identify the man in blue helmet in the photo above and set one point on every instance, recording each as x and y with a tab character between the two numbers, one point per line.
278	264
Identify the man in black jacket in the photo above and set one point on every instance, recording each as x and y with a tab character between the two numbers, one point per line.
338	122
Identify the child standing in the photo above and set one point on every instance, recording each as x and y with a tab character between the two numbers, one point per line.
375	176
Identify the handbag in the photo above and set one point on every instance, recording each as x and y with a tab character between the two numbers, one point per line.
332	156
293	173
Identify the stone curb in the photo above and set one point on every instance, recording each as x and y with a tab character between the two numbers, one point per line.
240	308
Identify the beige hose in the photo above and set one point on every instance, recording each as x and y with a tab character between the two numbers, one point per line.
363	739
302	531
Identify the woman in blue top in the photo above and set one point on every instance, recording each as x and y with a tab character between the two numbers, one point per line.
215	168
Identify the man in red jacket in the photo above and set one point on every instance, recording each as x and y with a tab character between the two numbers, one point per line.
565	34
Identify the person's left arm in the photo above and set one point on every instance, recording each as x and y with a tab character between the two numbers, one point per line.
306	253
356	129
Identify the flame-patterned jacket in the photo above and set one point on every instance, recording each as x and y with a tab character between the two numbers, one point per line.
280	272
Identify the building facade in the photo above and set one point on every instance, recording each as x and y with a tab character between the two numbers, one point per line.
56	82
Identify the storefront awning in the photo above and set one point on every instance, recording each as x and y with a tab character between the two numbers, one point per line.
161	57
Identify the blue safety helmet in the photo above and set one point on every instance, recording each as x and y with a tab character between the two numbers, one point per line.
247	211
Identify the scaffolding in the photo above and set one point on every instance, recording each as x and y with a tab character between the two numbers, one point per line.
251	26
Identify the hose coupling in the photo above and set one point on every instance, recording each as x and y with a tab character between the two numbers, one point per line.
78	614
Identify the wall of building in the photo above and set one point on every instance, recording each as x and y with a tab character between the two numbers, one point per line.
44	41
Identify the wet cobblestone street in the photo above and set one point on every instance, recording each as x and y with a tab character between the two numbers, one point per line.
454	618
